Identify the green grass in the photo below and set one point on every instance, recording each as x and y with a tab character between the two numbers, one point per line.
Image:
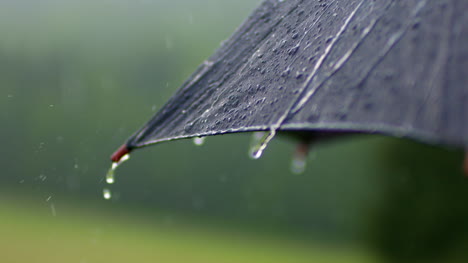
30	232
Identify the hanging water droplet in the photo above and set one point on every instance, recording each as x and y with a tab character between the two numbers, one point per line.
256	154
106	193
110	177
299	160
199	141
255	141
298	165
259	142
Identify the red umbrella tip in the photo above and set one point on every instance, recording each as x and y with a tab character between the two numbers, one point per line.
117	155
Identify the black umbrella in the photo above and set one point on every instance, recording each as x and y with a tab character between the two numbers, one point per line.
397	68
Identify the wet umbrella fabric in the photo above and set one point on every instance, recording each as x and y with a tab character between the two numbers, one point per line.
391	67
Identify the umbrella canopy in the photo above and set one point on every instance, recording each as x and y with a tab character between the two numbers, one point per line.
398	68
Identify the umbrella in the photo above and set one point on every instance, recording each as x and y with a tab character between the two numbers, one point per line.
397	68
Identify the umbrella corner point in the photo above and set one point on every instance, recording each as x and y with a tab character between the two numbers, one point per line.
121	151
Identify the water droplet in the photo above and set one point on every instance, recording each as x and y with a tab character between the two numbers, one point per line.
259	143
199	141
299	160
110	177
106	193
286	72
52	209
298	164
293	50
189	126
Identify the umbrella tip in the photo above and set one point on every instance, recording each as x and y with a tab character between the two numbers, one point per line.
122	151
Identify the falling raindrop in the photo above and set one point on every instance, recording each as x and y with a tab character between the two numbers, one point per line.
106	193
52	209
259	142
110	176
199	141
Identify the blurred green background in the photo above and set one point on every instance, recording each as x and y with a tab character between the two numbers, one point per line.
77	77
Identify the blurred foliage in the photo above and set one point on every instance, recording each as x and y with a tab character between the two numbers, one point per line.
78	77
423	214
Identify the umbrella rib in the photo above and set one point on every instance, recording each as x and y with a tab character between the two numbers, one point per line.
392	41
319	63
339	64
317	66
